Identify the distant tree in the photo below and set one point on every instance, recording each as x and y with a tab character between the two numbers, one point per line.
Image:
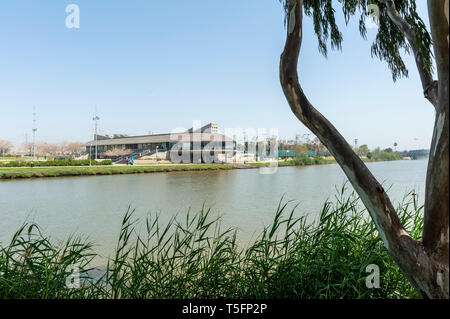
45	149
26	148
363	150
62	148
5	146
376	150
75	148
388	150
300	149
426	262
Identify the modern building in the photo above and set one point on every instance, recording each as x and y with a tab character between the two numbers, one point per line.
205	144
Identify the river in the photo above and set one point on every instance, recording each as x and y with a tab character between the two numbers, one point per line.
244	198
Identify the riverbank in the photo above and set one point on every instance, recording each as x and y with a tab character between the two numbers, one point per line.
67	171
18	173
302	161
51	163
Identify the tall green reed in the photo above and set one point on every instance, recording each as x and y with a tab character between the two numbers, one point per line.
195	258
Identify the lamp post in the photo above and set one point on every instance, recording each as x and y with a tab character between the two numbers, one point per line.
95	119
34	135
90	156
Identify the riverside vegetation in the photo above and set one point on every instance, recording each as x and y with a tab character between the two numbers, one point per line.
194	258
14	172
55	163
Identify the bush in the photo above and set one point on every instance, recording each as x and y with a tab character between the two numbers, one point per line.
56	163
306	160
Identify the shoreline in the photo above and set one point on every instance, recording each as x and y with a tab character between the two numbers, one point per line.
74	171
41	172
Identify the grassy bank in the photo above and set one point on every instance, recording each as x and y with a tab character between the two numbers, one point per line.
299	161
26	172
194	258
317	160
55	163
16	173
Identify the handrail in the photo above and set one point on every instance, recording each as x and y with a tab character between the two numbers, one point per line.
137	154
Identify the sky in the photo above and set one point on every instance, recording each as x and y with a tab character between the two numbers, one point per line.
153	66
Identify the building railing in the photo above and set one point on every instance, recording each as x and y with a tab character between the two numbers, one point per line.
137	154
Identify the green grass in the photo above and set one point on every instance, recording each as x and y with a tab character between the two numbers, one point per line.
195	258
383	156
15	173
299	161
26	172
318	160
55	163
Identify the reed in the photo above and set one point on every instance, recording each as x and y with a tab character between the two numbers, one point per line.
196	258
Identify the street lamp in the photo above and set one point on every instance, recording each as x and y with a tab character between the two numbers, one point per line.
34	135
95	119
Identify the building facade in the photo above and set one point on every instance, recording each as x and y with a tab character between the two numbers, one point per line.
203	145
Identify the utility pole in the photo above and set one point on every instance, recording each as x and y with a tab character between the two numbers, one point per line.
34	134
95	119
26	144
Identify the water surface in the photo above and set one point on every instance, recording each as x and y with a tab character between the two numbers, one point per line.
245	199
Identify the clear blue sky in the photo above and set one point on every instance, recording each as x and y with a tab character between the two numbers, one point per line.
156	65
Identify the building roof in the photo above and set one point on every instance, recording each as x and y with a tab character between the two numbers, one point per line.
162	138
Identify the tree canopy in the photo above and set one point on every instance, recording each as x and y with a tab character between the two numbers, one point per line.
390	41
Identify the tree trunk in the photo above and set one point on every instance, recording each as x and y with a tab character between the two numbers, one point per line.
436	227
427	274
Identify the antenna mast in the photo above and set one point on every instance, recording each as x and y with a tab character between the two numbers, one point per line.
34	134
95	119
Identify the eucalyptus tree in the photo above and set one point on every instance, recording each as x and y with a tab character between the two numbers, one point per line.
425	262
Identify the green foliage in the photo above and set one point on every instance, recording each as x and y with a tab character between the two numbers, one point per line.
299	160
363	150
389	42
325	27
14	173
378	155
55	163
32	266
194	258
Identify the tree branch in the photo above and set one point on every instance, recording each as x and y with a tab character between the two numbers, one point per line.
429	86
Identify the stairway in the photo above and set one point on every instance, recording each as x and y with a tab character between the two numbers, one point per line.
136	154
